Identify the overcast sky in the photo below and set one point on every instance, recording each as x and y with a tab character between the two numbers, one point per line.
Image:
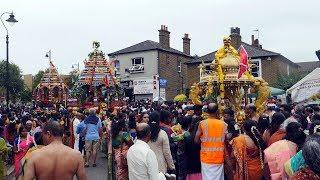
68	27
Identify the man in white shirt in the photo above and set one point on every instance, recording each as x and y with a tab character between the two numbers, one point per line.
75	124
142	161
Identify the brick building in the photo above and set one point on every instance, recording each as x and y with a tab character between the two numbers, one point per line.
28	80
268	64
140	64
308	66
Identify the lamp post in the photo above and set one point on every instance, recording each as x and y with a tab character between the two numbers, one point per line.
76	65
11	20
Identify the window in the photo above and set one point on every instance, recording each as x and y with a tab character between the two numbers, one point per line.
288	69
137	61
179	66
137	65
256	68
117	66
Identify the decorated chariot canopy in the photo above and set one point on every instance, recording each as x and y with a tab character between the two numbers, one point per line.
98	70
51	87
228	81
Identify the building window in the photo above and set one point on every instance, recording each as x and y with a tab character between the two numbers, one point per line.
137	61
179	66
256	69
137	65
117	66
288	69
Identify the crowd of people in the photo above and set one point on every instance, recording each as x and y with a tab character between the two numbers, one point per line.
152	140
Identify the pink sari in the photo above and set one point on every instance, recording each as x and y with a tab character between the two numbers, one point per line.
23	147
276	155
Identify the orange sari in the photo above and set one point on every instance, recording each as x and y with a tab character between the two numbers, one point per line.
248	165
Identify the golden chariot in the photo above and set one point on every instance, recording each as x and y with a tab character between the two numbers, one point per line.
222	84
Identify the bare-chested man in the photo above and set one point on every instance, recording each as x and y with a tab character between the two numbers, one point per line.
54	161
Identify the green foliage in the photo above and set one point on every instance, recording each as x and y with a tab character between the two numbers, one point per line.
25	95
180	98
37	79
72	79
286	81
15	81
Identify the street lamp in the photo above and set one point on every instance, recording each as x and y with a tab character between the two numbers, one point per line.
76	65
11	20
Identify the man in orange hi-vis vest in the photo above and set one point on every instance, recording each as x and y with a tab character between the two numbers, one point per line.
211	133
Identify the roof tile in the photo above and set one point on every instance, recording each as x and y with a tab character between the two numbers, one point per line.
146	46
253	52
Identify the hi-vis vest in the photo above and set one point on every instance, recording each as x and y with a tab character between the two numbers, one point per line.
212	141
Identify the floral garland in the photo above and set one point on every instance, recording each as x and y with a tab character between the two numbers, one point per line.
221	77
261	87
194	94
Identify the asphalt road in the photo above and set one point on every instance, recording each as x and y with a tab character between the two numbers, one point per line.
100	171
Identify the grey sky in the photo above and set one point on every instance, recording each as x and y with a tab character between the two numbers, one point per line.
68	27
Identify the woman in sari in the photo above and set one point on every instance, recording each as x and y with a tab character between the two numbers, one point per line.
192	151
3	153
275	133
310	153
248	151
297	162
281	151
37	144
121	141
21	146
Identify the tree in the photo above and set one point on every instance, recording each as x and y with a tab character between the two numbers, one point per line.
15	82
286	81
71	79
25	95
37	79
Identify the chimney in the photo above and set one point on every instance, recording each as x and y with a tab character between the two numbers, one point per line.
164	37
235	37
318	54
255	42
252	39
186	44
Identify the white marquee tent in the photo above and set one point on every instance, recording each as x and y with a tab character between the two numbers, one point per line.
306	87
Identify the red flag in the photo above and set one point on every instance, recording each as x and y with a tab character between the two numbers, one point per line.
243	67
51	64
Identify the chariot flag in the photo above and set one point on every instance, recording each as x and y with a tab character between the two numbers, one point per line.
243	66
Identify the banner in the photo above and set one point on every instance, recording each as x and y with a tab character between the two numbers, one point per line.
143	86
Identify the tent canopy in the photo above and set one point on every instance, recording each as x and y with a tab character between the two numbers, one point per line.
274	92
306	87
